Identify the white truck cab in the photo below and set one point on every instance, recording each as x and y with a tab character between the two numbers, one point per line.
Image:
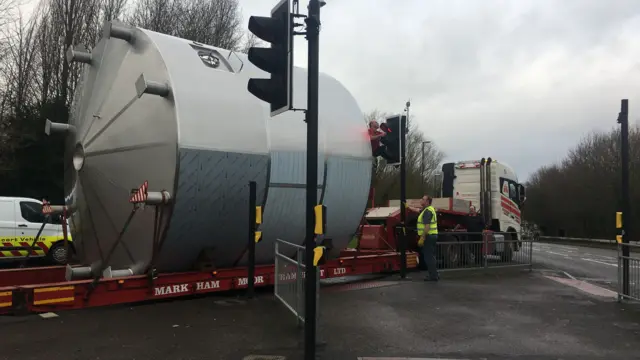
493	189
20	221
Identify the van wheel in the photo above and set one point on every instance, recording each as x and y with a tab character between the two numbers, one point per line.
58	255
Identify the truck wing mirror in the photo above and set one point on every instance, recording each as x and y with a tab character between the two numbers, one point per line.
522	194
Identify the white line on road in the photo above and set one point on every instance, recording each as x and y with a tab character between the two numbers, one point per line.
566	247
603	257
600	262
555	253
569	275
48	315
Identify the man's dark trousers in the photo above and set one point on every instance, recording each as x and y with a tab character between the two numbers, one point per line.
428	254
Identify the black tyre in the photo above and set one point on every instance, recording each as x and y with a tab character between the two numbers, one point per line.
58	254
507	254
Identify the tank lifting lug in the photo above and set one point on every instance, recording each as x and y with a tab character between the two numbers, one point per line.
53	127
144	86
79	54
76	273
117	30
109	273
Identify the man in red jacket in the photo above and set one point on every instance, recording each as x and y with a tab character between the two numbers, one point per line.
375	133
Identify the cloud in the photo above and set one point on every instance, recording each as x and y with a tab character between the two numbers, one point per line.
521	81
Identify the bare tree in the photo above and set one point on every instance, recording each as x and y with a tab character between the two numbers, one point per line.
251	40
572	197
7	11
67	23
211	22
157	15
19	68
112	10
18	72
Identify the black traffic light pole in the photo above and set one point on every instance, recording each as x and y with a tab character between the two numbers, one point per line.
278	60
313	35
251	241
403	196
623	120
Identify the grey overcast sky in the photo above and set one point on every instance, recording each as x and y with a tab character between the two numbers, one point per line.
518	80
521	80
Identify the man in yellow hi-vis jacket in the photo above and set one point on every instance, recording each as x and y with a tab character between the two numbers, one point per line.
428	236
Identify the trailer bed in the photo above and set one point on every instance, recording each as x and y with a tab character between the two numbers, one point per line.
44	289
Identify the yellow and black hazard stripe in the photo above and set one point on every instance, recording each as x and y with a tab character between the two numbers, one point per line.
18	249
6	299
54	295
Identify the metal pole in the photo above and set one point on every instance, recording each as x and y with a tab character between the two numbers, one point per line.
313	35
530	254
251	275
623	120
422	179
403	198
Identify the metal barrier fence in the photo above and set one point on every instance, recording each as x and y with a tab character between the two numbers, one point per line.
634	272
289	285
467	250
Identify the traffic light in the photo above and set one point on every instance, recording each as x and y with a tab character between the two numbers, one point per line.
393	140
276	60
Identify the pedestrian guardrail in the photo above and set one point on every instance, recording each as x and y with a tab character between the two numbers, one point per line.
468	250
633	261
289	287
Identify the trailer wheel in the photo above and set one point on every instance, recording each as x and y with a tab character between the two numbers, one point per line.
469	255
448	251
507	254
57	254
452	254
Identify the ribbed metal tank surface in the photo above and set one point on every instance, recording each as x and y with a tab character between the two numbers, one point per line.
203	141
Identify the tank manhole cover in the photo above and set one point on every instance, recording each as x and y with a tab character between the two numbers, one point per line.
264	357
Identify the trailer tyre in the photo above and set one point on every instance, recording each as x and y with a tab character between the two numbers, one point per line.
57	254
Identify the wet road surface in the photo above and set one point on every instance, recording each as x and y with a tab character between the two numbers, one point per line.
595	265
519	314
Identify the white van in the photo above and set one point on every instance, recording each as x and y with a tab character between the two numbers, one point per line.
20	221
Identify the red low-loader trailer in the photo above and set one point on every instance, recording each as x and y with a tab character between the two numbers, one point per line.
456	224
44	289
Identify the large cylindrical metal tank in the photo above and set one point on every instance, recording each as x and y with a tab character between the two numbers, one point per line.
176	113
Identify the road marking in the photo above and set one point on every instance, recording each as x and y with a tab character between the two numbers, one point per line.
404	358
565	247
585	286
599	262
48	315
569	275
555	253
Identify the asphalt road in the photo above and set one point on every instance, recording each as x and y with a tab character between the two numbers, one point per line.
595	265
515	315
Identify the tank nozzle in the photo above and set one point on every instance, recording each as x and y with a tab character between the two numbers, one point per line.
52	127
109	273
77	273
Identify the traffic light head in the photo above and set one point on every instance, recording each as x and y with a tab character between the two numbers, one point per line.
276	60
393	140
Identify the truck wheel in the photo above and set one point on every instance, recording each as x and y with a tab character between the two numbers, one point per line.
472	255
57	254
452	255
507	254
